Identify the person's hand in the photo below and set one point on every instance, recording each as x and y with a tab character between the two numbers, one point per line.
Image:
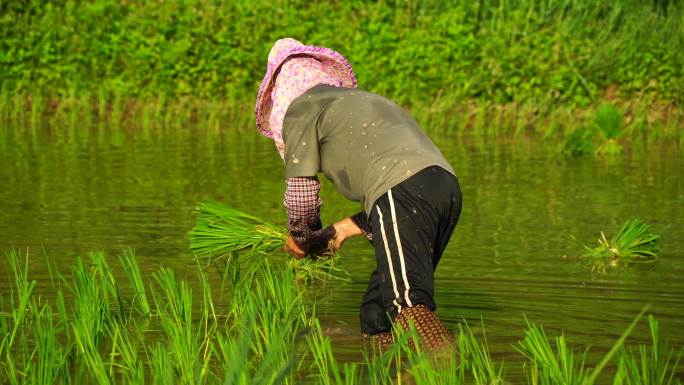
293	249
345	229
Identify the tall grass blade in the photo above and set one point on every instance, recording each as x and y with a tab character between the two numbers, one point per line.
651	365
50	358
591	378
477	359
130	266
162	368
559	366
175	304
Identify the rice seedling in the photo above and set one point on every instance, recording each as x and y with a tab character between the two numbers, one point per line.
562	365
328	370
267	337
579	142
268	317
124	357
245	359
89	354
92	315
278	302
108	284
548	366
649	365
50	357
175	305
634	243
476	358
13	330
233	353
128	261
92	306
161	365
467	362
591	377
422	366
608	123
233	238
318	268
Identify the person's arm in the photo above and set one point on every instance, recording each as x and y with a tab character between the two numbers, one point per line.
303	217
361	220
345	229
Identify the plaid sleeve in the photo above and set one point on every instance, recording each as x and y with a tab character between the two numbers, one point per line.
361	220
303	204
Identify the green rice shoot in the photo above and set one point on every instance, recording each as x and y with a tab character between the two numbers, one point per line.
579	142
634	243
268	335
608	123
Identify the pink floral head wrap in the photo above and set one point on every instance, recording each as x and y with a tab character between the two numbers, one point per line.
294	68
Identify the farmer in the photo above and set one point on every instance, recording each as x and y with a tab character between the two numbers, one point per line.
374	153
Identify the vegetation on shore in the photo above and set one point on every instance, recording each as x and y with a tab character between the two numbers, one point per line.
518	65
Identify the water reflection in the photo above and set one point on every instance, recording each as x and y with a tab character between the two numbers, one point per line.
71	191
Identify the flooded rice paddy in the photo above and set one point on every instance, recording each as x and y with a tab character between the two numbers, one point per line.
527	212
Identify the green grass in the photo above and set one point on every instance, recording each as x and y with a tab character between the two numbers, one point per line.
634	243
504	51
489	67
266	335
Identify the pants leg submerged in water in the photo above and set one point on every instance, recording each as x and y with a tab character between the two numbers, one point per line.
411	224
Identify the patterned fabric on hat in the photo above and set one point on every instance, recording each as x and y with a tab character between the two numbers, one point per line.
296	76
331	62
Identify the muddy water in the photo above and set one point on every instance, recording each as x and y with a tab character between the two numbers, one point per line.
526	213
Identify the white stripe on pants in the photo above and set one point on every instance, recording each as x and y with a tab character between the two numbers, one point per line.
402	263
389	261
401	251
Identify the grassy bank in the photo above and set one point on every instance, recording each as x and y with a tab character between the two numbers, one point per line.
525	63
558	126
99	329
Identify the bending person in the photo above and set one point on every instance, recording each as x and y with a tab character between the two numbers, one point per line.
376	154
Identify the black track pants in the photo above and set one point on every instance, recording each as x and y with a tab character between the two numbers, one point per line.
411	224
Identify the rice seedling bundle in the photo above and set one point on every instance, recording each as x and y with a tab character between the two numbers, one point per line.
634	243
608	123
225	234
